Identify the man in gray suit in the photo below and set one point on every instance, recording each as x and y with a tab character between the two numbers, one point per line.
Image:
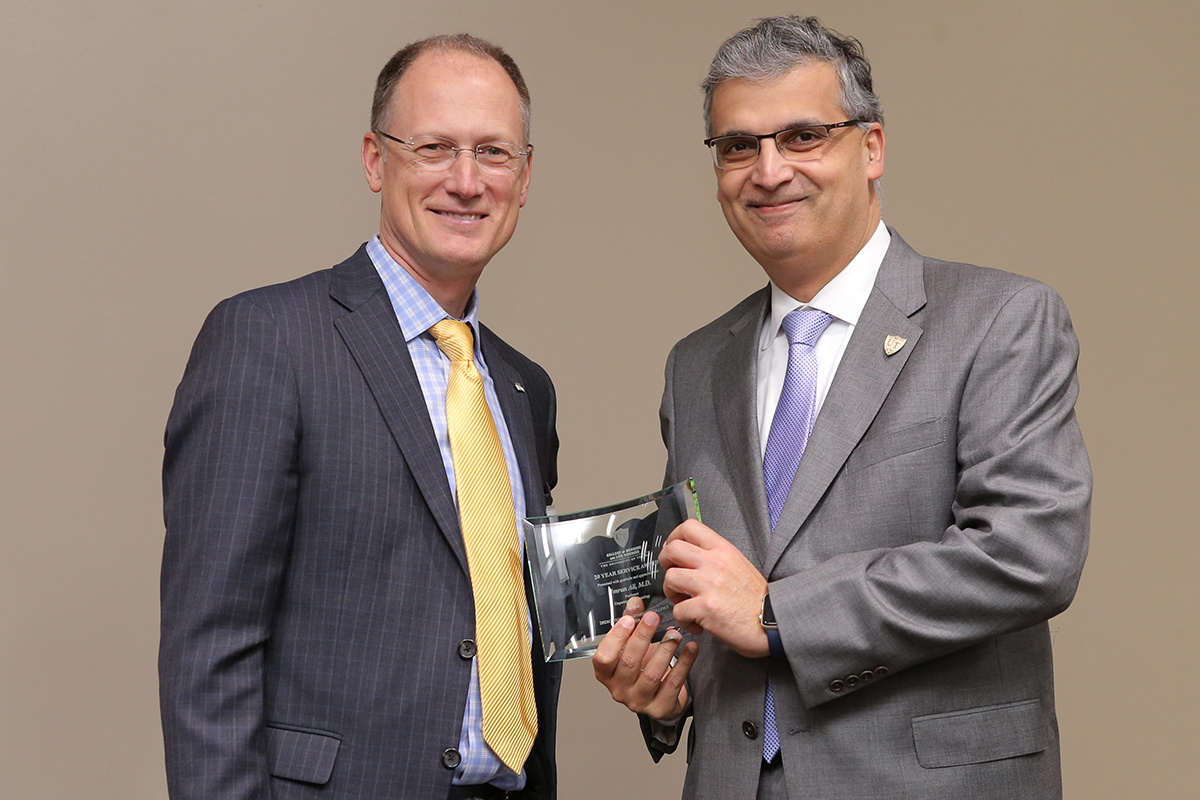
892	480
319	599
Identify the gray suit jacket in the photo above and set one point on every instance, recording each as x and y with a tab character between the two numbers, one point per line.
315	596
938	518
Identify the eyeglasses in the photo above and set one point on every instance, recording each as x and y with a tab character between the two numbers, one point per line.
801	143
438	153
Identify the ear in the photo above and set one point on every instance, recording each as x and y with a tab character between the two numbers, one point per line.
526	174
372	160
875	145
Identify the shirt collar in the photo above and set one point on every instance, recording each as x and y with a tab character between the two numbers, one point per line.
415	308
843	297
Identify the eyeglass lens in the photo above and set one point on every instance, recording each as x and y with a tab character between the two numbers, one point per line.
438	152
796	144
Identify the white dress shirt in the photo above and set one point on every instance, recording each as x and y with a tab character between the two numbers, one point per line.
843	299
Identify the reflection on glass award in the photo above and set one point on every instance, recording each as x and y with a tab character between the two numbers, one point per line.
586	566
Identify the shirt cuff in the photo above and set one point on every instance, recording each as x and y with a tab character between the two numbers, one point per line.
666	731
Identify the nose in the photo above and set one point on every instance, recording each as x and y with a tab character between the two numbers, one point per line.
771	170
465	179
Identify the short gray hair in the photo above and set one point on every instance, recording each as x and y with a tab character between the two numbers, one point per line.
777	45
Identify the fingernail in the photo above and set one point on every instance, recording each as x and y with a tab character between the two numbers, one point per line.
626	622
672	635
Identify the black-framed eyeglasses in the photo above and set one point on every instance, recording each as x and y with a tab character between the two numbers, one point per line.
437	152
798	143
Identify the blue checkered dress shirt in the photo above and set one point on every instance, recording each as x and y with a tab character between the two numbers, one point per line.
417	312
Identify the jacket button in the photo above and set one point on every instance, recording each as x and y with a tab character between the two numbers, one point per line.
866	675
467	649
851	681
451	758
750	729
881	672
837	685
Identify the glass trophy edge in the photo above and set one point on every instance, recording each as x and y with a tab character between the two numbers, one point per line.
690	484
530	527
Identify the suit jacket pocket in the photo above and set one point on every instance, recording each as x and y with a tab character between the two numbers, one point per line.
897	443
989	733
300	754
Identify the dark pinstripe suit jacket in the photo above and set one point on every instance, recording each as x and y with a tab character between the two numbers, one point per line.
315	587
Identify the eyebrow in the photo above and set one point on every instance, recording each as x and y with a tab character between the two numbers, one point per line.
482	139
796	123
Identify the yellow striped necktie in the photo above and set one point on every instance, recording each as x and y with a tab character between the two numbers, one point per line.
489	528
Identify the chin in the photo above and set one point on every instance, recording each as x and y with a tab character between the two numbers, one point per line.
464	267
775	248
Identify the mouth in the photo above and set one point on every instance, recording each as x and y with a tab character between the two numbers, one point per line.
774	204
461	215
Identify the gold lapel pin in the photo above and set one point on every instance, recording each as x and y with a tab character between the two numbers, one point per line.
892	344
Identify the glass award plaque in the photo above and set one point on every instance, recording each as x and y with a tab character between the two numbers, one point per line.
587	565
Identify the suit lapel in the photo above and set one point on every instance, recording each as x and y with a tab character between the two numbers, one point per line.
514	405
734	400
863	380
373	336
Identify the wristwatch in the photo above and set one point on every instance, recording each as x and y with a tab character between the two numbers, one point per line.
767	619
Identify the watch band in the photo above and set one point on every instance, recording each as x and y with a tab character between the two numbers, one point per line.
766	618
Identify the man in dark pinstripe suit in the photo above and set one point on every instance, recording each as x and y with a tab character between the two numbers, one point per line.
318	616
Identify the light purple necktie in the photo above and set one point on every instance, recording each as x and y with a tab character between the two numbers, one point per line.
790	427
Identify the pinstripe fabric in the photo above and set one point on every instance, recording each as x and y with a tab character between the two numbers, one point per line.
314	584
485	509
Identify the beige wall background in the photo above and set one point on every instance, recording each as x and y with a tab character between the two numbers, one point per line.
157	157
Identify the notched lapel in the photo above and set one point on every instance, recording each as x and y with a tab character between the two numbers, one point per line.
734	401
373	336
862	382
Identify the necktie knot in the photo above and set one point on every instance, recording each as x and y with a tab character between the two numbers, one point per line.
454	339
805	325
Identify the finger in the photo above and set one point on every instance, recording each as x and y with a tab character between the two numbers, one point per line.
687	614
674	682
658	662
674	596
671	694
608	654
677	533
681	584
682	553
656	701
629	664
696	532
634	606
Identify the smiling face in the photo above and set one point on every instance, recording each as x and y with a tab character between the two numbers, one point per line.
803	222
444	225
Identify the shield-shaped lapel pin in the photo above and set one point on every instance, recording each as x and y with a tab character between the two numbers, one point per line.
892	344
